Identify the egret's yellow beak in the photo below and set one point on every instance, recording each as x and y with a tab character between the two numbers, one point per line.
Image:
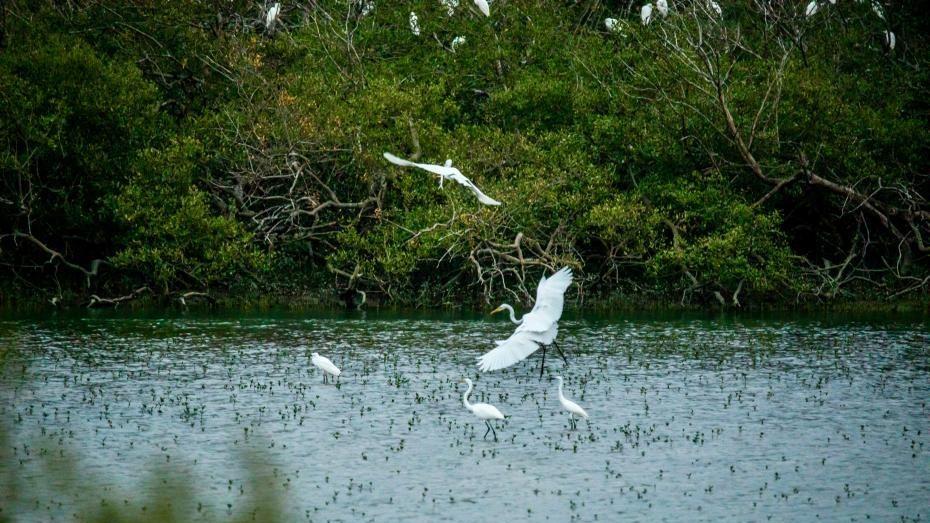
495	311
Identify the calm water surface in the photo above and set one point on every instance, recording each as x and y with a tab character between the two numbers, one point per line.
691	419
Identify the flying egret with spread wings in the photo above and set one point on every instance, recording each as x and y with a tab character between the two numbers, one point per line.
536	329
445	172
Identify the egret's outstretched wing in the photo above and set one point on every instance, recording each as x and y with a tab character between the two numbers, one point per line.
550	299
435	169
483	198
514	349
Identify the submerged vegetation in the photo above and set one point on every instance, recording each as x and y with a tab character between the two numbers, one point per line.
183	149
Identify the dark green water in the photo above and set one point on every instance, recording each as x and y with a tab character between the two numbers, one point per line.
692	418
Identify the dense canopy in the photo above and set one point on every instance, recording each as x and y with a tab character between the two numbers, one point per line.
173	148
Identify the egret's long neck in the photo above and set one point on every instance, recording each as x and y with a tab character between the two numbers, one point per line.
465	397
513	318
561	396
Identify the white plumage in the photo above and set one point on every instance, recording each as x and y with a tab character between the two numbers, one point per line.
538	327
272	16
812	8
573	408
324	364
483	411
715	7
483	7
450	5
414	24
457	41
645	14
612	24
445	172
889	39
662	7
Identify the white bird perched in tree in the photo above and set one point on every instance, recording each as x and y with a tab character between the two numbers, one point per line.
323	363
715	7
451	6
573	408
889	39
414	24
662	7
536	329
272	16
645	14
612	24
878	9
482	411
812	8
457	41
483	7
445	172
367	7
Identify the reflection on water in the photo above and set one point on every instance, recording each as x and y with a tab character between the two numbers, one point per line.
209	418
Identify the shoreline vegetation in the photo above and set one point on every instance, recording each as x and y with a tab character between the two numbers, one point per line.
192	154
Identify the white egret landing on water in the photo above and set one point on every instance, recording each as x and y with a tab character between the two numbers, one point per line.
573	408
645	14
324	364
482	411
272	16
445	172
536	329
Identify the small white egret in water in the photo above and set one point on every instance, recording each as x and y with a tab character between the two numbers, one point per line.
715	7
662	7
573	408
445	172
812	8
612	24
889	39
645	14
482	411
483	7
272	16
414	24
536	329
323	363
457	41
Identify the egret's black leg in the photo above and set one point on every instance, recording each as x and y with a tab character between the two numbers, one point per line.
556	345
542	367
492	430
486	422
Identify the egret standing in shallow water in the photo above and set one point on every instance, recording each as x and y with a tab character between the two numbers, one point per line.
482	411
445	172
324	364
573	408
536	329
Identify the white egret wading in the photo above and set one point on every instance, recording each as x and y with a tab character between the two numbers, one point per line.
482	411
536	329
323	363
573	408
445	172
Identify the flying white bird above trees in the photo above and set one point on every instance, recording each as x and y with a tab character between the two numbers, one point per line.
573	408
483	7
272	16
536	329
324	364
482	411
445	172
645	14
662	7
